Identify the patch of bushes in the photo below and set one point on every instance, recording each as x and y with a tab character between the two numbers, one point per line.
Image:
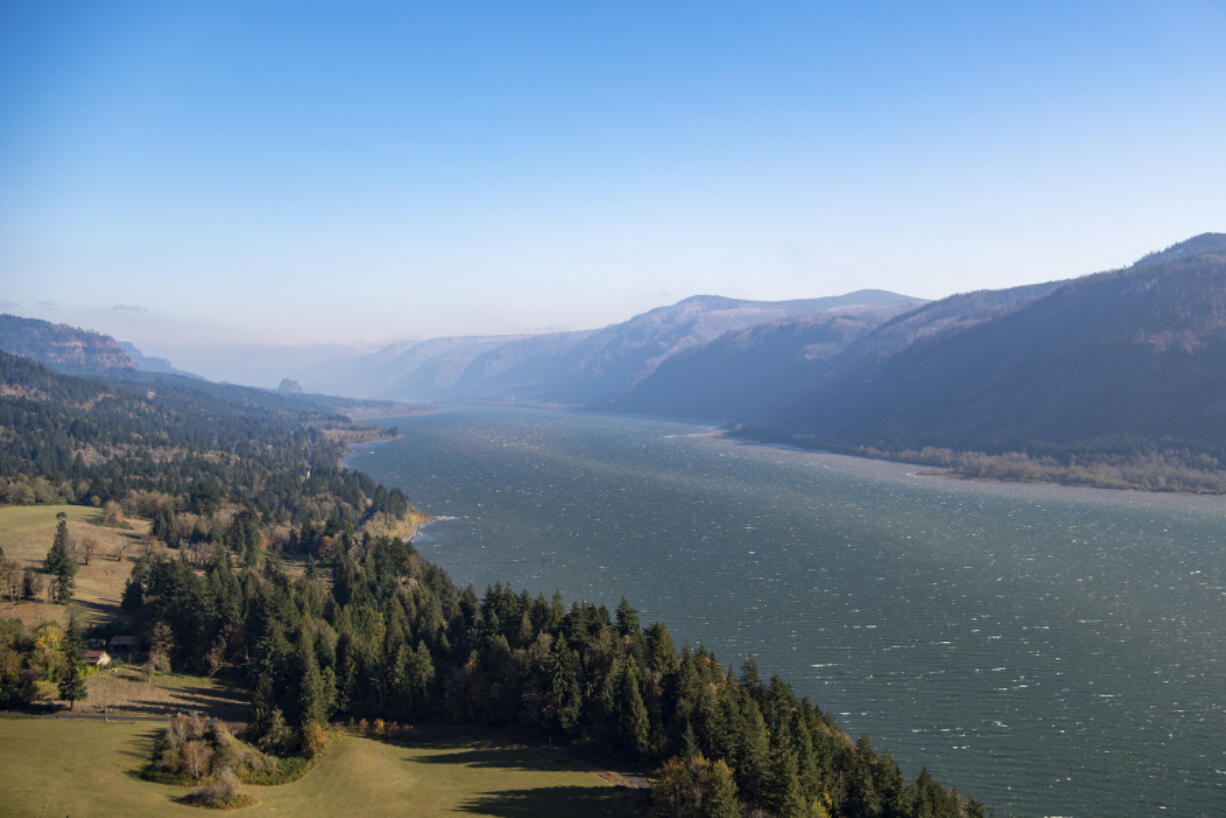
316	742
221	793
193	749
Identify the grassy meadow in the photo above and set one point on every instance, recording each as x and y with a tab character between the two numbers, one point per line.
55	767
123	691
26	534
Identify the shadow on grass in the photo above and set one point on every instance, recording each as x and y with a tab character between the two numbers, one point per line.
564	802
211	703
141	746
92	608
507	758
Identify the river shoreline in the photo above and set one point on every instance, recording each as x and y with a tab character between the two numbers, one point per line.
920	467
405	529
1047	474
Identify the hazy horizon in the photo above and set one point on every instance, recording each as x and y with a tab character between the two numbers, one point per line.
224	176
265	364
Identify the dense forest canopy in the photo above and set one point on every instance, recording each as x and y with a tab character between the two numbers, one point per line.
192	444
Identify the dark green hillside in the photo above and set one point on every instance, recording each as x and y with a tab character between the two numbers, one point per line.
731	376
1111	379
764	373
1129	362
1214	243
193	444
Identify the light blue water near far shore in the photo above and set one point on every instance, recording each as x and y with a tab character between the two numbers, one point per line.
1048	650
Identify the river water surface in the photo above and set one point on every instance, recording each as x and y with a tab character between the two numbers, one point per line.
1048	650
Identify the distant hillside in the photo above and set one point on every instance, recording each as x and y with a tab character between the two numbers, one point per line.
67	349
775	366
591	368
146	363
1126	363
731	376
67	438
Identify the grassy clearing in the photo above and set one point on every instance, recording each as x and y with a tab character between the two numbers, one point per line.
26	533
123	691
55	767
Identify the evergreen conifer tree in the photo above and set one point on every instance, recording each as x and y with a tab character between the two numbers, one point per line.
720	800
72	685
634	727
61	562
312	701
74	641
753	756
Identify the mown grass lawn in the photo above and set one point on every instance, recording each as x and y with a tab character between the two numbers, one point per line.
57	767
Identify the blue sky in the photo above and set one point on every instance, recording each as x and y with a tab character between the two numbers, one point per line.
177	173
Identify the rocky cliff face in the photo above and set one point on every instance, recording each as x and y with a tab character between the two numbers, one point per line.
60	346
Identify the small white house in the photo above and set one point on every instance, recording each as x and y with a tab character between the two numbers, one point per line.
97	658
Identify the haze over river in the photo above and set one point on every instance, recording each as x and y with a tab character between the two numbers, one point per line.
1048	650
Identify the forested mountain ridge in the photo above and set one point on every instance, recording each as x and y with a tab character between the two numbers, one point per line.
61	346
1111	379
179	446
1128	362
590	368
743	375
730	376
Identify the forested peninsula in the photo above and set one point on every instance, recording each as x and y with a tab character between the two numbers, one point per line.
282	570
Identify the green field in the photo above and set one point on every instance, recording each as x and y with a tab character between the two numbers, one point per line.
26	534
57	767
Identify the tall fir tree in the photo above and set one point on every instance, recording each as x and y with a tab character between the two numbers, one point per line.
633	724
720	799
313	705
72	684
61	562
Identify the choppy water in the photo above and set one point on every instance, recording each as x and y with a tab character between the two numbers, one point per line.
1051	651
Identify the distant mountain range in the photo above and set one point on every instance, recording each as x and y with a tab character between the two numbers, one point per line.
1128	363
76	351
593	368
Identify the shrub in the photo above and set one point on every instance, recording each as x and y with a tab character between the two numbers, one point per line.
196	758
314	739
192	747
279	736
220	793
